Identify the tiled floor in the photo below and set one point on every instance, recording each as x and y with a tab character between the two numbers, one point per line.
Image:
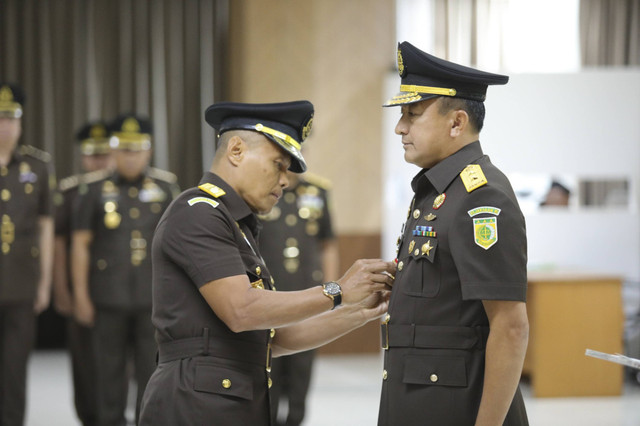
345	392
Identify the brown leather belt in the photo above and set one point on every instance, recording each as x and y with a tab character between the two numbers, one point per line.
433	337
237	350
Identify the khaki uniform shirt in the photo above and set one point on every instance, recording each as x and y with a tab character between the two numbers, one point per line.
25	195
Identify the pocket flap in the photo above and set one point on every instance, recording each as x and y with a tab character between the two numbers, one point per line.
223	381
435	370
423	248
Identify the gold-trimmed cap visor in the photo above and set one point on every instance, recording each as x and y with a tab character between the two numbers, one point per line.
130	141
11	100
95	146
425	76
286	123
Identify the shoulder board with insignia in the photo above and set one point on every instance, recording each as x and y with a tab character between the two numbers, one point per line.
163	175
69	183
316	180
34	152
213	190
473	177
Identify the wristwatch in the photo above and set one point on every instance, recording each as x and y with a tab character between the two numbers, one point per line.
334	292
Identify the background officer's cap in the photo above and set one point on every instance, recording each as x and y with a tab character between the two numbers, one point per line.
11	100
94	138
131	132
287	123
424	76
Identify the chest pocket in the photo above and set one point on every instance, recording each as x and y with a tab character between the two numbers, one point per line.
421	269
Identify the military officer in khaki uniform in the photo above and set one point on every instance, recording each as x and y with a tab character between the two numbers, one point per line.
26	182
96	160
456	331
300	249
113	224
217	320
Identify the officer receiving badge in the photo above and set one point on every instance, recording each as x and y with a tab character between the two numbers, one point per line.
485	231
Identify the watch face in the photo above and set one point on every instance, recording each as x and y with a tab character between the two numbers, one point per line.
332	288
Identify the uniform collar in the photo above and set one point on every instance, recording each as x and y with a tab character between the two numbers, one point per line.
443	173
239	209
118	179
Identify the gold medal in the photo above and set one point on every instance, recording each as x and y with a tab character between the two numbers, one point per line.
112	220
416	213
426	248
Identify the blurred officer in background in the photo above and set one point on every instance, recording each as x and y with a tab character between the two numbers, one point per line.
26	215
218	321
298	246
96	162
113	223
456	332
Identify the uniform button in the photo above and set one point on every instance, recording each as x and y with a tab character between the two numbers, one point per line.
416	213
433	378
102	264
272	332
6	195
133	192
417	252
384	374
28	188
270	382
258	270
400	266
134	213
387	318
226	383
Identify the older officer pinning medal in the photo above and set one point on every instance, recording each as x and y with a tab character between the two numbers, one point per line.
218	319
113	224
26	255
456	332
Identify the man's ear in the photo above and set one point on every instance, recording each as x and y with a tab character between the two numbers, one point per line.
236	149
459	123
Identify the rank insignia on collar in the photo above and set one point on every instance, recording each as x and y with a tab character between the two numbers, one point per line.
485	231
473	177
439	201
212	189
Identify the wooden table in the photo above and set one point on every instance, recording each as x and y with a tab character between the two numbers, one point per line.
568	313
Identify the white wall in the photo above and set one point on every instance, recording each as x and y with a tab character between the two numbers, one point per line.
583	124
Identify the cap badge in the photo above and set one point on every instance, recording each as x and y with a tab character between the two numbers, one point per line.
131	125
400	64
439	201
98	132
306	130
6	95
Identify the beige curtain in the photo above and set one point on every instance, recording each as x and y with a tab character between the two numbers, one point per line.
81	60
610	32
470	32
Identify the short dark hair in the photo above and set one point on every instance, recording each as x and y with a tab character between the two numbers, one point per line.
474	109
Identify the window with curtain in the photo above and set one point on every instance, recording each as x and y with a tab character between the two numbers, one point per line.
83	60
